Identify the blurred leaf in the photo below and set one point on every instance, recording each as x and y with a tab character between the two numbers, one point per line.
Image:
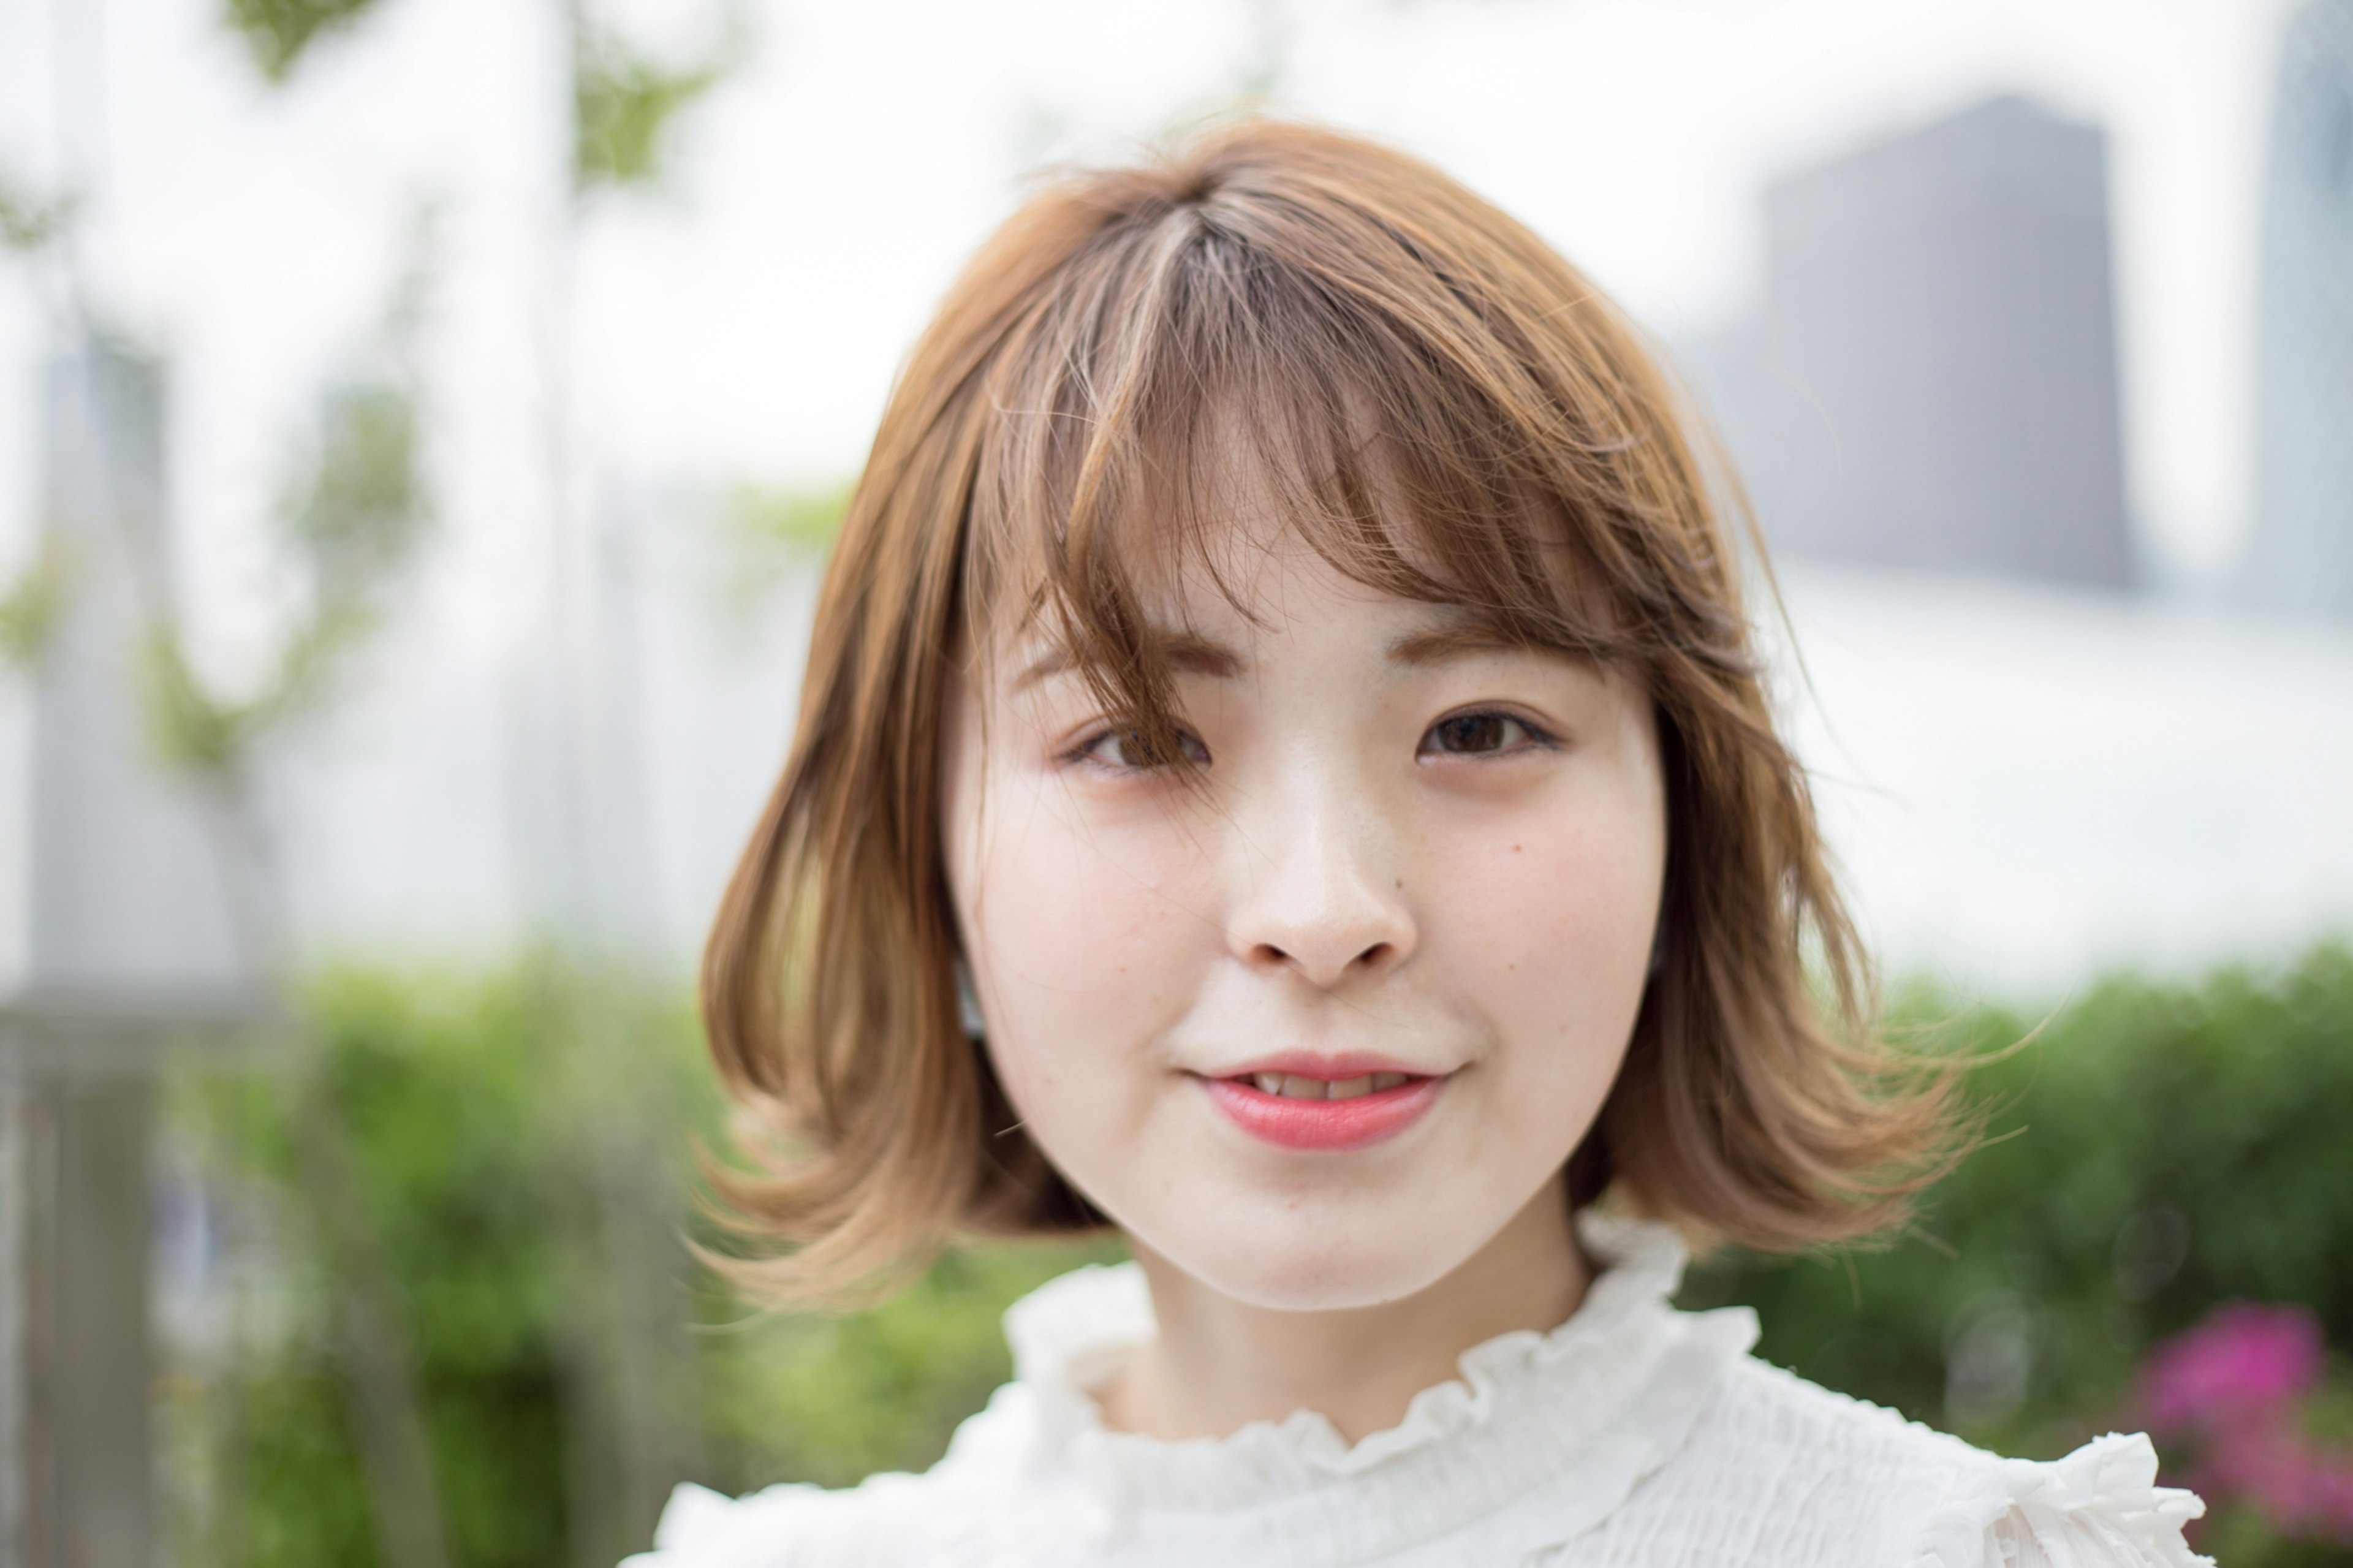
359	514
474	1116
277	32
796	524
834	1399
441	1083
30	606
760	537
624	102
2222	1106
350	523
28	222
191	727
2156	1150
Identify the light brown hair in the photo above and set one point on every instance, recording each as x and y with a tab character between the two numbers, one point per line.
1453	414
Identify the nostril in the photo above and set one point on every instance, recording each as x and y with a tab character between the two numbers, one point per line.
1266	955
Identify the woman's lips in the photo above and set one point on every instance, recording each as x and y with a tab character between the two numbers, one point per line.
1292	1122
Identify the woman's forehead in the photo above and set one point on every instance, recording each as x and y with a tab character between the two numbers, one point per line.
1304	603
1246	573
1206	537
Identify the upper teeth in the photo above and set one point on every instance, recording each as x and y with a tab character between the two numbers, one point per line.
1291	1086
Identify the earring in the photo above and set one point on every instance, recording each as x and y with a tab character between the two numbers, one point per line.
968	1004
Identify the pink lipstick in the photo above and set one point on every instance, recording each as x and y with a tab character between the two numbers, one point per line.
1297	1101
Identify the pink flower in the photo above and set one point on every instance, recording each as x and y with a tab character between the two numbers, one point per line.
2243	1362
2333	1508
2234	1387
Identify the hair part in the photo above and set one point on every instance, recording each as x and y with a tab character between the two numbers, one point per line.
1447	411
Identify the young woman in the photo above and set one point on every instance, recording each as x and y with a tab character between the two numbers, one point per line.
1284	773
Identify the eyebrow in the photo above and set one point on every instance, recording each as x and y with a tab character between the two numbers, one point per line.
1466	633
1186	652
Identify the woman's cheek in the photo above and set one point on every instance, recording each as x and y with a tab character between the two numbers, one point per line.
1087	952
1085	930
1556	918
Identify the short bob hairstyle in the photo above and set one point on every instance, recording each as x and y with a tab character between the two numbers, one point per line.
1450	413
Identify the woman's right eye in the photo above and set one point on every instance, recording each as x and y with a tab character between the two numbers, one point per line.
1123	746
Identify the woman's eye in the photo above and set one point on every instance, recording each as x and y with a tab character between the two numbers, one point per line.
1477	734
1123	747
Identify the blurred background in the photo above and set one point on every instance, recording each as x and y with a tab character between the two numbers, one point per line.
422	423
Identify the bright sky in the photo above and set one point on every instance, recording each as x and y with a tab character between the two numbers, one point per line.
747	323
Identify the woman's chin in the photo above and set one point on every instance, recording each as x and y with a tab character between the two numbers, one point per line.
1314	1268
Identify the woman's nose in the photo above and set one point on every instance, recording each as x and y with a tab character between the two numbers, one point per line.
1320	888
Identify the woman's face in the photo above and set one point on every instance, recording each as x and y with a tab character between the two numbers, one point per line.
1314	1030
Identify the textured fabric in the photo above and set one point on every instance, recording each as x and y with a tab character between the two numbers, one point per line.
1633	1436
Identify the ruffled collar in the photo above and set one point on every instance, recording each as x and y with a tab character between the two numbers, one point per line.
1539	1437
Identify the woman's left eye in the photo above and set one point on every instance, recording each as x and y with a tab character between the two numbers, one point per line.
1477	734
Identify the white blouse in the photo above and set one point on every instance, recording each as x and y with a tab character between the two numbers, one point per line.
1633	1434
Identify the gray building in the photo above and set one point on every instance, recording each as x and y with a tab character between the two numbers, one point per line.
2302	553
1932	383
117	940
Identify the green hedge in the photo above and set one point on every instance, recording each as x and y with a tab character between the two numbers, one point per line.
2150	1152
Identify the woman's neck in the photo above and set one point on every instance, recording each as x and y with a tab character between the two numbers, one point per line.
1219	1364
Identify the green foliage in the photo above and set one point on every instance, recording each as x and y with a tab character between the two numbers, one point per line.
834	1399
788	524
2151	1152
27	222
308	1504
447	1097
350	521
277	32
30	606
474	1116
759	539
191	728
2016	1312
357	517
756	542
625	100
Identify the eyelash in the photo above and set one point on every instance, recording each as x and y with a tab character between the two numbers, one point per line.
1083	754
1537	738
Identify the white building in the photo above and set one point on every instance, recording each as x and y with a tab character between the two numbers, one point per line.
2025	784
2302	554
